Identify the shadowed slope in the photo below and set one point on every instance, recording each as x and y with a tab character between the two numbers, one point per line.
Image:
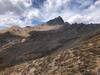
41	43
59	48
69	56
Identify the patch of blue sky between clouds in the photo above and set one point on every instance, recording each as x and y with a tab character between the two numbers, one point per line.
38	3
3	26
79	5
37	21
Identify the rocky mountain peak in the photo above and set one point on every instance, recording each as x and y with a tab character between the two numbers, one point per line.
56	21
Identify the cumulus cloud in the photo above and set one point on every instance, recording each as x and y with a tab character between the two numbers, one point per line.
22	12
85	11
16	6
88	15
11	12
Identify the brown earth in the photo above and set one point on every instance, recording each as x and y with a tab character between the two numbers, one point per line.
66	50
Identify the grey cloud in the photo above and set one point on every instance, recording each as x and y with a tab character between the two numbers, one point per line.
8	6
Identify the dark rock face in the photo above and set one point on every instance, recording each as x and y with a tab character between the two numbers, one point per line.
56	21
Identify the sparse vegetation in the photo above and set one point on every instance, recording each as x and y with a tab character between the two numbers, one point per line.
67	51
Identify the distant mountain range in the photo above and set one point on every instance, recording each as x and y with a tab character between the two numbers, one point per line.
53	48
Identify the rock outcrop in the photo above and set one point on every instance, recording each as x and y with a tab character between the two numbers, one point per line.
56	21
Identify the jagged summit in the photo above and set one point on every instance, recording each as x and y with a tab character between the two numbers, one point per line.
56	21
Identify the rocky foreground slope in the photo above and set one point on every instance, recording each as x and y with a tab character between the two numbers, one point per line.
80	60
68	50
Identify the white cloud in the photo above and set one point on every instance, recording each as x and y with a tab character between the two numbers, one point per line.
11	11
84	12
16	6
89	15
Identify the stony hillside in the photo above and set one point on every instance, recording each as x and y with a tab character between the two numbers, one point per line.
83	59
68	50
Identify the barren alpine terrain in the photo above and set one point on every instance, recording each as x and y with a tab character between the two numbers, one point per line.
53	48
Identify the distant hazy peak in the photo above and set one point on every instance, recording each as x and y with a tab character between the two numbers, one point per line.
56	21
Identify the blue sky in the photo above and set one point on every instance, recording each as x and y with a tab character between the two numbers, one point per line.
31	12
